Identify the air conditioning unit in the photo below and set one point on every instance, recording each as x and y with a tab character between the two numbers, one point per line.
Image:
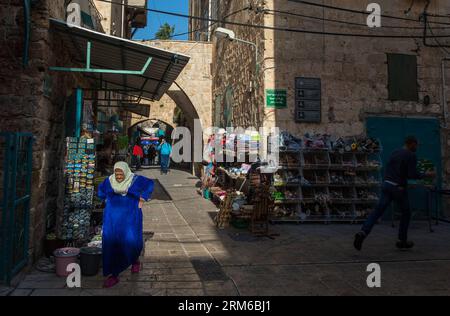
138	12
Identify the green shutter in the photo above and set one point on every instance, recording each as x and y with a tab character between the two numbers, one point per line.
402	71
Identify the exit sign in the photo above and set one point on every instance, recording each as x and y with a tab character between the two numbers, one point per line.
276	98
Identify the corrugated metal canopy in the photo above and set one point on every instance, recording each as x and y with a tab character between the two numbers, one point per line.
109	52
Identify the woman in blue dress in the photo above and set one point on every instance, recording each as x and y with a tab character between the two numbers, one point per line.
122	240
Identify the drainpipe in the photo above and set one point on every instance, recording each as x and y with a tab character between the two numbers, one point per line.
123	19
27	19
209	16
444	93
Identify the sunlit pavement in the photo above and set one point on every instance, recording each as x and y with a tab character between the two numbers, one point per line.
188	255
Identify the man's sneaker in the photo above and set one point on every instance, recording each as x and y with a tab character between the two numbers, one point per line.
359	238
404	244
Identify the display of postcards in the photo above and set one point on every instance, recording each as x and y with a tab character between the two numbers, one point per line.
82	146
72	139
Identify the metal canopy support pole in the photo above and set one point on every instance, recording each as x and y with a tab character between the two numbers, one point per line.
78	112
88	56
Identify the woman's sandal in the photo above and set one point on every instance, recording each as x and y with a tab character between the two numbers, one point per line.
110	282
136	267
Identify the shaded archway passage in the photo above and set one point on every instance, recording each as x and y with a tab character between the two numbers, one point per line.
169	127
184	103
139	128
175	99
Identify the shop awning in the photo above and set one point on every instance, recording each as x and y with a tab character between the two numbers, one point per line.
127	66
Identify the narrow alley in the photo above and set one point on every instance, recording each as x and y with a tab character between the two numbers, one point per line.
186	255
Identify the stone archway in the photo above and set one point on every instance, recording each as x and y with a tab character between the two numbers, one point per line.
192	90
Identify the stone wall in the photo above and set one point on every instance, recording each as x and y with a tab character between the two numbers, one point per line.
199	28
160	110
192	91
238	88
353	70
26	108
111	16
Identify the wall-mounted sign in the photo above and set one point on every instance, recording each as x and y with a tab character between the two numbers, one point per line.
308	95
276	98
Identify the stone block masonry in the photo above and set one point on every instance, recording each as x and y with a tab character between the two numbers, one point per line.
26	107
353	70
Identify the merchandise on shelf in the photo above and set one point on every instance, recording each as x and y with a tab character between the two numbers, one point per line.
79	197
316	141
356	144
327	178
289	142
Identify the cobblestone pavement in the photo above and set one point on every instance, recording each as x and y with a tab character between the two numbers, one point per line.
188	255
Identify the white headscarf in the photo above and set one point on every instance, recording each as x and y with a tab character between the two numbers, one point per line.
121	187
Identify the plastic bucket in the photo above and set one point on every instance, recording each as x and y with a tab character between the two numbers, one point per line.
50	245
64	257
90	258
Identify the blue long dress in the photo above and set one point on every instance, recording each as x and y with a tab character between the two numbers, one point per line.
122	239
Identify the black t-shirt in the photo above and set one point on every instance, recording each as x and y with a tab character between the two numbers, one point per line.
402	166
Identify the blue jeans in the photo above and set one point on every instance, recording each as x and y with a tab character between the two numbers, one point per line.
391	193
164	159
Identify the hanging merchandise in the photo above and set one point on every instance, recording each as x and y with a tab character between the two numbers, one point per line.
79	194
88	116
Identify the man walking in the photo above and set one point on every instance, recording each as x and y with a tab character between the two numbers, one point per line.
164	153
402	165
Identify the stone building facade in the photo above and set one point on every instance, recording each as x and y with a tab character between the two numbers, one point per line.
29	107
238	79
34	99
192	91
200	30
353	70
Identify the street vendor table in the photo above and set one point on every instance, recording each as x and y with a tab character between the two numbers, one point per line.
431	191
436	193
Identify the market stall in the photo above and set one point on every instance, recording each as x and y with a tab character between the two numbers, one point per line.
319	178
